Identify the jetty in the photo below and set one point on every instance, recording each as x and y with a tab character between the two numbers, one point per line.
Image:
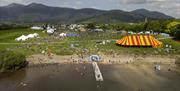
97	72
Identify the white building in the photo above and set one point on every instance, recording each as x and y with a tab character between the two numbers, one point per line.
164	34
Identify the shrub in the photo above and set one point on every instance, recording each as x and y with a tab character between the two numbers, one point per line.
177	34
11	61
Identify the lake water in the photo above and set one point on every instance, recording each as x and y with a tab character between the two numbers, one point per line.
80	77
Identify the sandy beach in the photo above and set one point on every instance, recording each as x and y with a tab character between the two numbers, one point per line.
165	62
105	59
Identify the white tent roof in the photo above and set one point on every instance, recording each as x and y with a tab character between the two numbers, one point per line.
36	28
50	31
23	37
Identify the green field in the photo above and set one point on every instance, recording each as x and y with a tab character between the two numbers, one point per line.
87	40
7	39
8	36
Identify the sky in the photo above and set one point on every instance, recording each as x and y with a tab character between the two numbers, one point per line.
169	7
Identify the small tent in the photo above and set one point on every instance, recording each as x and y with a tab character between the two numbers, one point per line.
21	38
24	38
63	35
50	31
36	28
139	40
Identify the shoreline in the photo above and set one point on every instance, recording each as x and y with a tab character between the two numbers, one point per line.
40	59
151	66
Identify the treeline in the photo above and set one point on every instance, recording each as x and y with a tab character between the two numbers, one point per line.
171	27
6	26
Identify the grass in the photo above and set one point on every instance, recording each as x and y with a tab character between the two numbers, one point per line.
87	40
8	36
172	42
11	61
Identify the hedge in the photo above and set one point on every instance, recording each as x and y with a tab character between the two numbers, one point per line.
11	61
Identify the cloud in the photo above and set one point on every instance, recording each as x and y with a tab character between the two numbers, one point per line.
79	2
140	1
171	7
6	2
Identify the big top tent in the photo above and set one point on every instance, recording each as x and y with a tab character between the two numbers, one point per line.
139	40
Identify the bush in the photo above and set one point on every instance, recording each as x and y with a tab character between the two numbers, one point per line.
177	34
11	61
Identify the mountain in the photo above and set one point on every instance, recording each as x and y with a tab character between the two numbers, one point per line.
14	5
151	14
114	16
36	12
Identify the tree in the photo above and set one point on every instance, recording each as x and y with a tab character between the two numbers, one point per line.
103	26
145	26
91	26
172	27
177	32
163	24
154	26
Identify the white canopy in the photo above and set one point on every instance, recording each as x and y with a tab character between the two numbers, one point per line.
24	38
36	28
50	31
62	34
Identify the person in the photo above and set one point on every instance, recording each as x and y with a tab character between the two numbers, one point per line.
82	74
84	67
169	69
98	86
50	53
77	69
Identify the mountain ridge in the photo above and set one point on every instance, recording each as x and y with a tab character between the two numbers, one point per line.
37	12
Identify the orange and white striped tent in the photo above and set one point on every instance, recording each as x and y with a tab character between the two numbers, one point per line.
139	40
